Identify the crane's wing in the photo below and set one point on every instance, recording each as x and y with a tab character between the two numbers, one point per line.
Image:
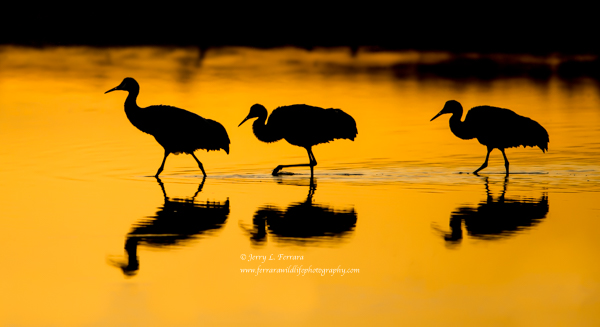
307	125
183	131
503	128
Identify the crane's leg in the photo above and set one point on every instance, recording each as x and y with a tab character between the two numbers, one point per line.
311	158
199	164
162	165
313	161
485	163
505	161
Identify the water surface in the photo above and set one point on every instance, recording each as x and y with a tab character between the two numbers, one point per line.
91	239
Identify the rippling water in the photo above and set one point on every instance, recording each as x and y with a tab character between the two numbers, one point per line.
90	239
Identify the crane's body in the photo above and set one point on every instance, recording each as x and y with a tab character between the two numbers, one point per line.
188	132
301	125
496	128
176	130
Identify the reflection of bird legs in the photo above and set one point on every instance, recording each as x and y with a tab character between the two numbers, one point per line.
162	187
311	190
487	157
199	188
311	157
489	193
162	165
501	198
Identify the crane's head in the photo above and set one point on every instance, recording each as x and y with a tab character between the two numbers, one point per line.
451	107
256	111
128	84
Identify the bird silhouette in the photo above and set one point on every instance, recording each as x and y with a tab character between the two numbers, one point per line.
177	130
301	125
496	128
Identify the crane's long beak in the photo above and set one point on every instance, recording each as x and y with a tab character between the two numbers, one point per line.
436	116
243	121
113	89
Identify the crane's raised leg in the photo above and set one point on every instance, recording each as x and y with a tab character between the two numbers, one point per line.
485	163
311	158
199	164
162	165
505	161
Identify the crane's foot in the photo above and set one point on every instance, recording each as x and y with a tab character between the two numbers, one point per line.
277	170
479	169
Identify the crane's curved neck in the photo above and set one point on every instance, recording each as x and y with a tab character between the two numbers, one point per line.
130	102
133	111
458	127
263	131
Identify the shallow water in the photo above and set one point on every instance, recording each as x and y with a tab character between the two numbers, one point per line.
90	239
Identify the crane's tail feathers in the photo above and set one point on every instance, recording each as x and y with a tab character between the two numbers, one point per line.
216	136
342	125
531	133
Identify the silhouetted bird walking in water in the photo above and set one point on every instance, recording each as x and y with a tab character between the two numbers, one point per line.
303	126
495	128
177	130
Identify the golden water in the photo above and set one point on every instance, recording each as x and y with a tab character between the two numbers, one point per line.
397	203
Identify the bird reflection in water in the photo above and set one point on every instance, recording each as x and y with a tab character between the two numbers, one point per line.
302	223
176	223
495	219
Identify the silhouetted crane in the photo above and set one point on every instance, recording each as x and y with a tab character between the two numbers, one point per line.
177	130
495	128
303	126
